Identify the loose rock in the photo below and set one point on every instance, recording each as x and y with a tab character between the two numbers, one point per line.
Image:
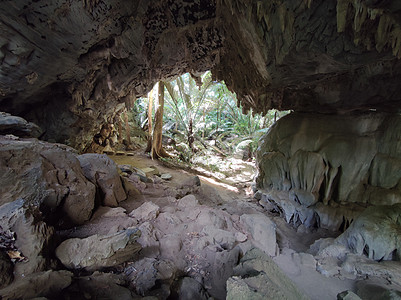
99	251
146	212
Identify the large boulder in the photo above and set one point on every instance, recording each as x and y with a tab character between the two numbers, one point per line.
103	172
44	173
99	251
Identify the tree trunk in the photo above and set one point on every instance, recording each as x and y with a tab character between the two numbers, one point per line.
127	129
191	136
149	146
157	147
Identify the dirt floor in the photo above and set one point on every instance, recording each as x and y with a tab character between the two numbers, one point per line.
237	199
175	234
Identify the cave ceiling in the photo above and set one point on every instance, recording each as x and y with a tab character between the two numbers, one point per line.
70	65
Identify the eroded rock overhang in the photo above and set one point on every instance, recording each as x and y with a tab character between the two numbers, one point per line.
70	66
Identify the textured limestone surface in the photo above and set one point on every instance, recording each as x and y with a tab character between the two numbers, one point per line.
376	233
324	170
44	173
18	126
72	66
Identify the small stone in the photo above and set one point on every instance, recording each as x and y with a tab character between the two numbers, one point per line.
240	237
120	153
188	201
192	182
130	154
126	168
107	150
150	171
348	295
147	211
257	195
166	176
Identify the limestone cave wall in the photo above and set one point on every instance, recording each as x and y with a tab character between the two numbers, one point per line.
72	66
324	170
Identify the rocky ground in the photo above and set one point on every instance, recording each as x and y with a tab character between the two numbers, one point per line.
153	232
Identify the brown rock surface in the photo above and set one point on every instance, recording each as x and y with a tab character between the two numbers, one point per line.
102	171
44	173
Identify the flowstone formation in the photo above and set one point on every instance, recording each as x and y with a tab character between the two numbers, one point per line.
324	171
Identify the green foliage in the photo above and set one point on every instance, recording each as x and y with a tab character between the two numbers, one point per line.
213	110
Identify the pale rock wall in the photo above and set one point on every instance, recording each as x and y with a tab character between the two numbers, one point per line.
323	170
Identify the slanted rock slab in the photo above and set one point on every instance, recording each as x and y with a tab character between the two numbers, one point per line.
99	250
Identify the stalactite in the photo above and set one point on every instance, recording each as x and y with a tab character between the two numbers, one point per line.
387	33
342	8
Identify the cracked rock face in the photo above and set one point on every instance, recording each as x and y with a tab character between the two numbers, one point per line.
72	66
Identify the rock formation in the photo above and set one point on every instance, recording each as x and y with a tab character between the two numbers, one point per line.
71	67
323	171
103	172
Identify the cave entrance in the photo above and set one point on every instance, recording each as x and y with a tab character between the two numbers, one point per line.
203	127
